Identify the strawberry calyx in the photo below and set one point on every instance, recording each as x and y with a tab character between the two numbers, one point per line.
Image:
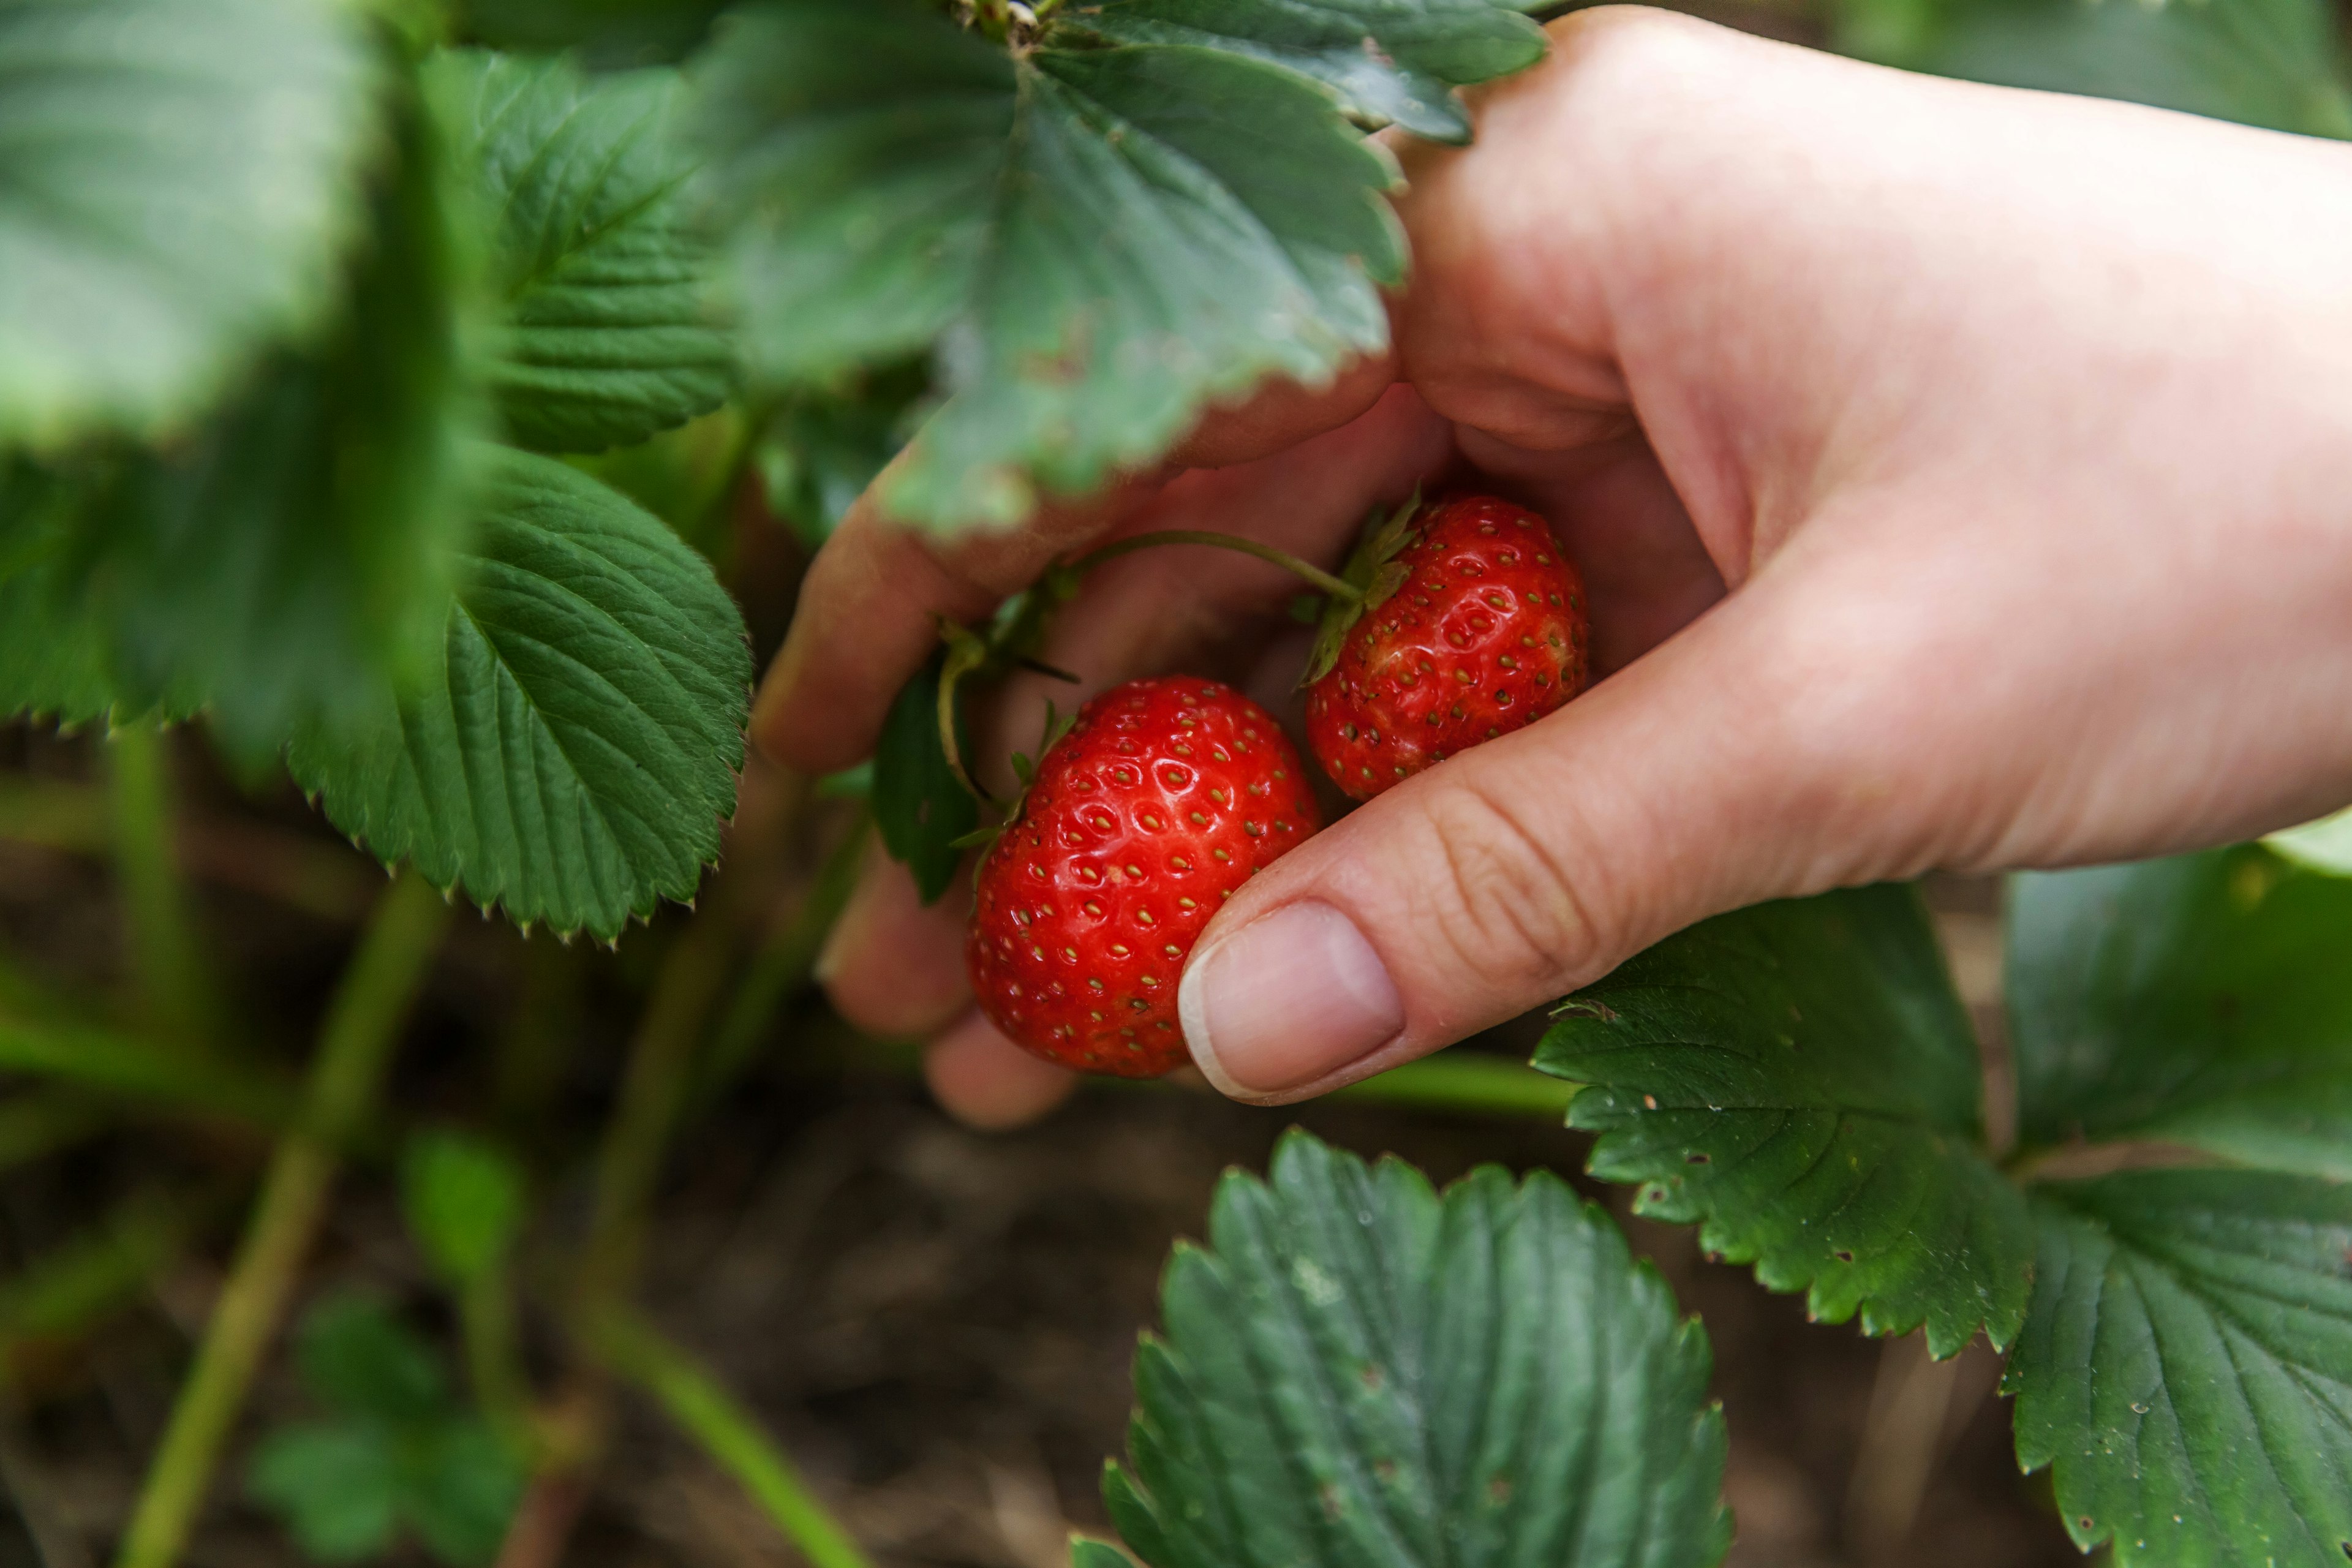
1025	768
1373	576
1018	630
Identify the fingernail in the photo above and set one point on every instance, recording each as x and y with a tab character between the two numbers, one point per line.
1286	999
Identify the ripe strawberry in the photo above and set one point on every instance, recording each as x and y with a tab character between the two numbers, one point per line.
1163	798
1472	626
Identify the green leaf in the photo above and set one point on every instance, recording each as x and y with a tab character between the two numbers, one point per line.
464	1202
823	448
1800	1080
53	657
287	558
609	332
1357	1372
2186	1367
459	1487
334	1484
2265	62
1388	61
357	1358
2322	845
574	747
2199	1001
920	807
1101	240
606	33
176	187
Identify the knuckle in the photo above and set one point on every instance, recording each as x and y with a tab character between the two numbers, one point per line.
1512	906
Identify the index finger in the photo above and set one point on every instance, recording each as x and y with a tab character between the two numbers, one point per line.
870	602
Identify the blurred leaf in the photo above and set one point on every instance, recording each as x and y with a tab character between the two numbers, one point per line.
53	657
1100	240
2186	1367
177	182
358	1359
286	559
822	448
334	1484
464	1201
397	1449
573	749
920	805
685	477
2322	845
1358	1371
461	1486
2205	1000
2276	63
1388	60
605	33
608	333
1800	1079
125	1067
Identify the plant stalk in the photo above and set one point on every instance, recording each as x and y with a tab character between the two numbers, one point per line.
729	1434
176	996
652	1091
783	962
485	1318
355	1045
1339	586
1464	1082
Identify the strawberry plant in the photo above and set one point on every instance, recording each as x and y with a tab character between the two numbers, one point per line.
406	408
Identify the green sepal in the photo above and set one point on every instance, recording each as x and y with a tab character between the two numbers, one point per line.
1375	571
934	815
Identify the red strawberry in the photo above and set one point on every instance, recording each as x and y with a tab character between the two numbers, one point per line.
1472	626
1163	798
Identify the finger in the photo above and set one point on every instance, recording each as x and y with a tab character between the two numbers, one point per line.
870	602
1697	780
892	964
984	1080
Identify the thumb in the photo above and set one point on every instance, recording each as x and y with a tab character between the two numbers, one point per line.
1702	777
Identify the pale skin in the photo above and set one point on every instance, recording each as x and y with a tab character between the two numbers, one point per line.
1962	478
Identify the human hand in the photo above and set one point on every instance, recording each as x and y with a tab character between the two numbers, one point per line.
2017	428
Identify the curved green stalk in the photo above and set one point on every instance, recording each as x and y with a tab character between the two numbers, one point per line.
730	1433
354	1048
783	964
1338	586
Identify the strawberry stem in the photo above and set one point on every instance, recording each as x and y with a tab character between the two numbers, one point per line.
1335	586
966	653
